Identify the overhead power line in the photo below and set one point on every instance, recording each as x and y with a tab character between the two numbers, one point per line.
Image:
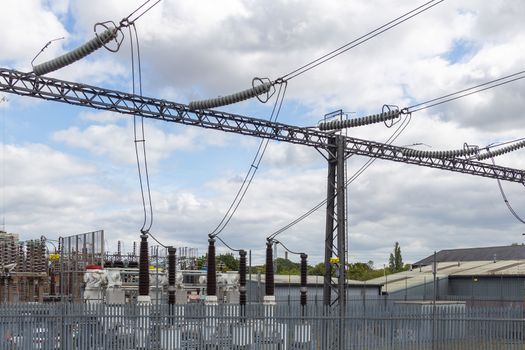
466	92
391	114
362	39
265	84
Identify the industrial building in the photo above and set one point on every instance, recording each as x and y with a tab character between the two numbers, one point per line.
287	288
487	273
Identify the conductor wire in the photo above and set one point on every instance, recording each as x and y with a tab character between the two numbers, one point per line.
232	249
466	92
512	211
253	167
362	39
145	225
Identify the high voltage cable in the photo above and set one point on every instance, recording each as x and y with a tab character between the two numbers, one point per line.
513	212
504	143
466	92
265	86
142	140
392	114
365	166
362	39
253	167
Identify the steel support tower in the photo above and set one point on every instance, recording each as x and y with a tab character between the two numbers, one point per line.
337	147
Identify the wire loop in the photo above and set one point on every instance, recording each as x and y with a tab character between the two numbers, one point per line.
106	25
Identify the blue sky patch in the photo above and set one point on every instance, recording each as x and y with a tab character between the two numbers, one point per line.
461	51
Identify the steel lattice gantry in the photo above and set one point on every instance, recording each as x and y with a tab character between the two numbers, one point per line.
336	146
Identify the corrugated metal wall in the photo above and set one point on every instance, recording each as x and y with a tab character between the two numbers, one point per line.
497	287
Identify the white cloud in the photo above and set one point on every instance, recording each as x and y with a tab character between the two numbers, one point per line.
193	50
27	27
117	141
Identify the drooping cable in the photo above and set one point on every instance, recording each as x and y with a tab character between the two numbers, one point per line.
286	248
466	92
226	244
156	240
512	211
253	167
146	226
362	39
361	170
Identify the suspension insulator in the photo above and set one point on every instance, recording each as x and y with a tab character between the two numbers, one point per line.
501	151
171	275
211	286
242	277
80	52
144	266
352	123
304	272
269	283
416	153
231	99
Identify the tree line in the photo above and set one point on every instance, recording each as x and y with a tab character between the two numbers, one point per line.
356	271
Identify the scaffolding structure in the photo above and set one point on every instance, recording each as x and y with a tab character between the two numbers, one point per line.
24	269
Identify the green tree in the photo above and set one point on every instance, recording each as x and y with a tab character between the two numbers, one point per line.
228	261
395	262
202	261
287	267
317	270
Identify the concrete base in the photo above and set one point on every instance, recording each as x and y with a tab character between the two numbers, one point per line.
181	297
269	300
211	300
115	296
144	299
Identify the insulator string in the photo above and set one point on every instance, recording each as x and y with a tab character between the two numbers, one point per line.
258	90
99	41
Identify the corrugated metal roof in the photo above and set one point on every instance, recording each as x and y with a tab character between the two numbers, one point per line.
421	275
511	252
310	280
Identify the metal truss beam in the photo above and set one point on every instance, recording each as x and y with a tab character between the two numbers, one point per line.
45	88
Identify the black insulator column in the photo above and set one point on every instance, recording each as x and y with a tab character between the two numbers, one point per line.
242	277
143	266
118	261
171	275
211	287
51	281
304	271
269	269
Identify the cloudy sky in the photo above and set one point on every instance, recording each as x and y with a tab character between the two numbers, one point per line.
68	170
